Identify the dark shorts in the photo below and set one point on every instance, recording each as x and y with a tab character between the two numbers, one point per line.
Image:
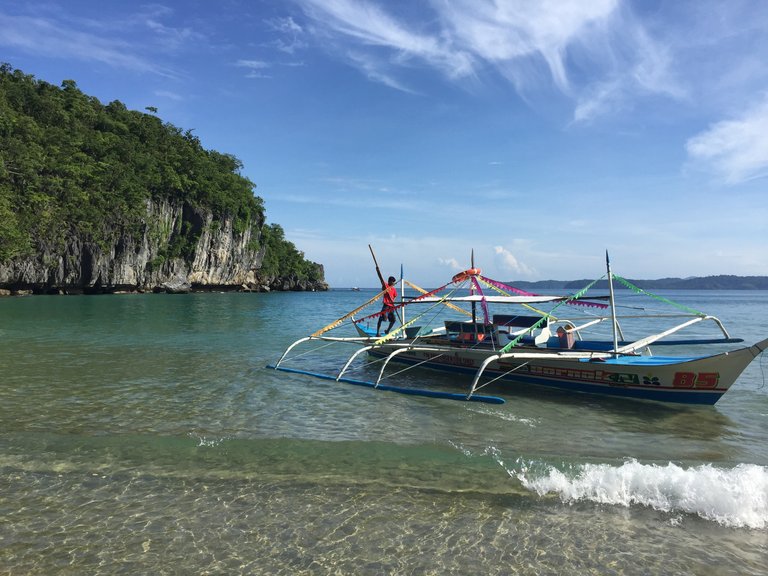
388	313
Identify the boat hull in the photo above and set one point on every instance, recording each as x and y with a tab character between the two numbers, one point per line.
687	380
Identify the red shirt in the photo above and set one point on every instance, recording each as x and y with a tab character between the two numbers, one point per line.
389	296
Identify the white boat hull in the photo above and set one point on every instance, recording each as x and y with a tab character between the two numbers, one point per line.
690	380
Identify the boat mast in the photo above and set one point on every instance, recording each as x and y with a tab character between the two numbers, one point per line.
402	296
614	322
472	289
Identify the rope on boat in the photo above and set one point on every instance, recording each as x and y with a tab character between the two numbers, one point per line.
406	368
493	285
338	322
397	307
483	301
500	376
401	328
311	350
500	287
543	319
424	293
639	290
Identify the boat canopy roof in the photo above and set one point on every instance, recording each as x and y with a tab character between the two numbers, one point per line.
490	299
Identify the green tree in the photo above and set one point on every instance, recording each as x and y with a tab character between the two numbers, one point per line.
71	165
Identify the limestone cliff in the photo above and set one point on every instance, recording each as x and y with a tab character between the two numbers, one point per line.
219	258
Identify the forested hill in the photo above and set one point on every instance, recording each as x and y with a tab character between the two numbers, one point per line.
100	198
722	282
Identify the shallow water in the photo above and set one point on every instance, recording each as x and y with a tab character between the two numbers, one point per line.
144	434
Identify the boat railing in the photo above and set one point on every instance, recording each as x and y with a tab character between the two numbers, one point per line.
577	329
648	340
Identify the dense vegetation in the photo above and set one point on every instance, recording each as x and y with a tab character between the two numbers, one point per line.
71	165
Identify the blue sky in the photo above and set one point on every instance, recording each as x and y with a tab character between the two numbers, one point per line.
538	134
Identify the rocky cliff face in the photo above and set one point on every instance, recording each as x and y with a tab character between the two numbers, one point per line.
222	259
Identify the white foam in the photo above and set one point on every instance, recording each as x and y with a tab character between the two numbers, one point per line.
736	496
503	415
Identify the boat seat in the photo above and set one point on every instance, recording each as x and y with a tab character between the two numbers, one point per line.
516	325
471	331
516	321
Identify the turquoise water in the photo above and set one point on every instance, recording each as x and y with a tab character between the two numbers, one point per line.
143	434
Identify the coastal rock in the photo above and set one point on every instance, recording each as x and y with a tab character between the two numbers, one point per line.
178	285
139	261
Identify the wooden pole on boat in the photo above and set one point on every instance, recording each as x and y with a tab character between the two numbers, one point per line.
401	316
614	321
402	296
376	263
472	290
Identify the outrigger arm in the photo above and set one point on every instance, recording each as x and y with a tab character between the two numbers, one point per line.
355	355
291	347
485	364
527	357
400	351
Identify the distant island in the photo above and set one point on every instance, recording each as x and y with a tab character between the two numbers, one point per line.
721	282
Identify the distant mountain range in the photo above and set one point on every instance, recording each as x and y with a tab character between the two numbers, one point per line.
722	282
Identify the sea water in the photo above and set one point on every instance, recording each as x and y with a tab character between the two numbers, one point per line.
144	434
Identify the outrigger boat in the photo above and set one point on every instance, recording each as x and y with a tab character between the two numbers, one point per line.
542	343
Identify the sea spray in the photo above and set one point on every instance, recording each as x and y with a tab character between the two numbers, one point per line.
734	497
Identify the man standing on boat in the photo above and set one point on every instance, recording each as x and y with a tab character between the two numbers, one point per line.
388	309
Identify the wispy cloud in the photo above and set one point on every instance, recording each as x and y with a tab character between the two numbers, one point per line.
168	94
737	150
510	34
51	39
372	27
254	68
57	35
291	35
610	55
632	65
376	71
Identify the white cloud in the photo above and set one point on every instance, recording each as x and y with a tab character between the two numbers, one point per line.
507	262
292	33
376	71
370	26
47	38
736	150
254	68
596	52
451	263
629	62
503	33
117	43
168	94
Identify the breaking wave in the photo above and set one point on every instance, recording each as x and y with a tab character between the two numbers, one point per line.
734	497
